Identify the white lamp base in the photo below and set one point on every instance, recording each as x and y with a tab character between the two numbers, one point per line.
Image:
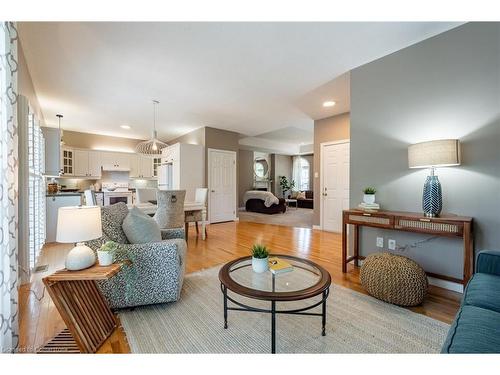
80	257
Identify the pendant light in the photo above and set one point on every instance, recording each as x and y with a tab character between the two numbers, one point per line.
154	145
59	117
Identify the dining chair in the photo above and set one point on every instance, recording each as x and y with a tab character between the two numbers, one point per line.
170	208
144	195
201	196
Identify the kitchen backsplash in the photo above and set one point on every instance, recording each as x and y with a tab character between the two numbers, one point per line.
84	184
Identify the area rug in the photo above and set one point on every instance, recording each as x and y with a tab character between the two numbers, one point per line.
356	323
299	218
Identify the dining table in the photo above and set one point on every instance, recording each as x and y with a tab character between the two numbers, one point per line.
150	208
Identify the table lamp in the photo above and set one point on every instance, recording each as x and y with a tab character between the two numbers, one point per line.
76	225
433	154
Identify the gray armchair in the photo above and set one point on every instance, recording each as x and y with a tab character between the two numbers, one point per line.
157	270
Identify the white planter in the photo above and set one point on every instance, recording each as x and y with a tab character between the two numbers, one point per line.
369	198
105	258
260	265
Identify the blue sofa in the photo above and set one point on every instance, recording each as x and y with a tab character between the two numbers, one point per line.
476	328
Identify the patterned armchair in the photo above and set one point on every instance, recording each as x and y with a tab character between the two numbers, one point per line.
157	270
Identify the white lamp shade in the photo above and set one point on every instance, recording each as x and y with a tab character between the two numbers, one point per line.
440	153
78	224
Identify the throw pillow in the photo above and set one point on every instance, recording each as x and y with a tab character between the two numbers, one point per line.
141	228
294	194
301	195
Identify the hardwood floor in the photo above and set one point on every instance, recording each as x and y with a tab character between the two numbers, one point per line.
39	320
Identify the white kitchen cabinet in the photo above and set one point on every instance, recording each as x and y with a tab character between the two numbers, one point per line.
116	159
67	159
183	168
53	202
142	166
134	166
95	164
86	163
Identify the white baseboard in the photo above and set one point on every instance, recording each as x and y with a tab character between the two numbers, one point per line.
318	227
446	284
237	218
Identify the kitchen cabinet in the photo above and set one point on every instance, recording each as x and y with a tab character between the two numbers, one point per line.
53	203
142	166
67	159
86	163
52	148
116	160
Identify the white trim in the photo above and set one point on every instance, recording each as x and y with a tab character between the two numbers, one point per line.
317	227
209	160
445	284
322	146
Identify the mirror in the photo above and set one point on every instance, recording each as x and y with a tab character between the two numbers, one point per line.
261	167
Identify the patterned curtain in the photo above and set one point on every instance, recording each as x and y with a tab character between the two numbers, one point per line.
9	279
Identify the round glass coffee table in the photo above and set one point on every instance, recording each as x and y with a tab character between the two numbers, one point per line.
305	281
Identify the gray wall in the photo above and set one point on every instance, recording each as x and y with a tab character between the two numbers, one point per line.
334	128
445	87
245	174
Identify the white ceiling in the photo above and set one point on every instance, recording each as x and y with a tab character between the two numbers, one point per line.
251	78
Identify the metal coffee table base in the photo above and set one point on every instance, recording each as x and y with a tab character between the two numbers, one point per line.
273	312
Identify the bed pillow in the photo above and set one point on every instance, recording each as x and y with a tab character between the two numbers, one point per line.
141	228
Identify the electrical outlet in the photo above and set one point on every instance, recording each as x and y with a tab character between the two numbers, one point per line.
391	244
380	241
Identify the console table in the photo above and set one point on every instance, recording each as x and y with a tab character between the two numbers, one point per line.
446	225
82	307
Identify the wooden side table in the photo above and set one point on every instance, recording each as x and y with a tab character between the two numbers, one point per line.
446	225
86	313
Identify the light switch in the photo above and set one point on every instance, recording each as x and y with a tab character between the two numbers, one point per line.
316	174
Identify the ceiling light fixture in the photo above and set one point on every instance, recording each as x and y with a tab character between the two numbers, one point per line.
329	103
154	145
59	117
125	127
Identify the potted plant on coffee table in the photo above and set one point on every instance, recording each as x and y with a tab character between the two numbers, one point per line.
260	255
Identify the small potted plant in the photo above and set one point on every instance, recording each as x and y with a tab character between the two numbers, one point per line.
260	256
369	197
106	252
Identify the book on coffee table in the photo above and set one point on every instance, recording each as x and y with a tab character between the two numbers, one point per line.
279	266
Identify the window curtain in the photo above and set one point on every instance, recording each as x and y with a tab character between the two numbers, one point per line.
9	279
296	171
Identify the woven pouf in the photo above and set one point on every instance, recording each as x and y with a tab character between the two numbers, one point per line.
394	279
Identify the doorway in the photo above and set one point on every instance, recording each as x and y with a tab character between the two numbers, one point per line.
221	185
335	158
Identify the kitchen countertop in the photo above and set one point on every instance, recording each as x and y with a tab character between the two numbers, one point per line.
64	194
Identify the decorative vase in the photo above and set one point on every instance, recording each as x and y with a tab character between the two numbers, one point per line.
432	201
260	265
369	198
105	258
79	258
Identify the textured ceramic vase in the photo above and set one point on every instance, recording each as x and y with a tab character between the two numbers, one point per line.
80	257
369	198
260	265
105	258
432	201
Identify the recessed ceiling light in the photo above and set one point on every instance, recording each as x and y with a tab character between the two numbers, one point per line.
125	127
328	103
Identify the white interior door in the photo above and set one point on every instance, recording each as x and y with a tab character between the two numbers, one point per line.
221	185
334	184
